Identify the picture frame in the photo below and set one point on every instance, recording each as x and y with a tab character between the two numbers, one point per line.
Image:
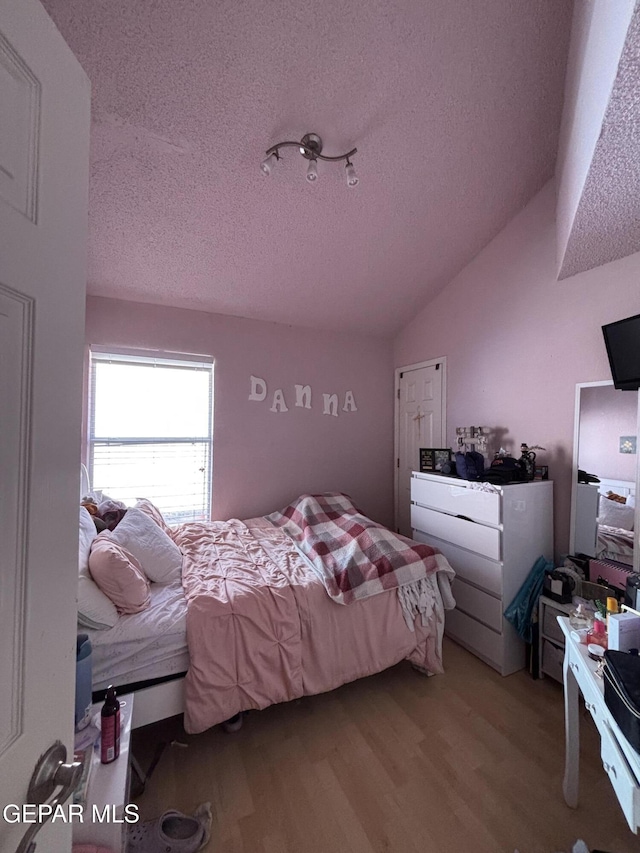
541	472
432	459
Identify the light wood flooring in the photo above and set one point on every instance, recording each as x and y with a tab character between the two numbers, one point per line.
465	762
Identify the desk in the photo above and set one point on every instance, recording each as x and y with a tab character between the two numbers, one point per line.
619	759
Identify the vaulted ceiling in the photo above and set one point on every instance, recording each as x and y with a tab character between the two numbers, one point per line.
454	107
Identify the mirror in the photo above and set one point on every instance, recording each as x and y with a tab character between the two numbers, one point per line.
605	434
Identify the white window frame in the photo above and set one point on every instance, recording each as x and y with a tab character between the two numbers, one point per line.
163	359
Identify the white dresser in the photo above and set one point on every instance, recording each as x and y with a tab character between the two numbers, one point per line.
492	539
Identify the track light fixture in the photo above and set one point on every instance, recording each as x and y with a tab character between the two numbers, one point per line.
310	146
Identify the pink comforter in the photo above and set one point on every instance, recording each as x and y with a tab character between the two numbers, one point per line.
261	628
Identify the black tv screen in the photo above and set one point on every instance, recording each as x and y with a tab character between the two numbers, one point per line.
622	340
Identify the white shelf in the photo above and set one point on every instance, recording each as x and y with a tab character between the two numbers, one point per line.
108	786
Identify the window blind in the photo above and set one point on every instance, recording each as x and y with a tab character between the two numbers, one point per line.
151	430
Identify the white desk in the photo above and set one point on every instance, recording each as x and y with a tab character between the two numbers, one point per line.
619	759
108	786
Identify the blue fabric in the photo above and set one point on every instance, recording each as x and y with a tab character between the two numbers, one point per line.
520	611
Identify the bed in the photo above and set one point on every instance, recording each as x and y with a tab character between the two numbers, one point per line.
268	610
615	521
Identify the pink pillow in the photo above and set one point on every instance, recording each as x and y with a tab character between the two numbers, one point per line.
118	574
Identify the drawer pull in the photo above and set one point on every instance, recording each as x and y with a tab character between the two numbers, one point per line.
610	768
574	666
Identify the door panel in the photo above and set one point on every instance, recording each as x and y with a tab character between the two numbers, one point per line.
44	155
419	424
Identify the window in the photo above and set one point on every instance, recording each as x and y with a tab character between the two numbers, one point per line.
151	431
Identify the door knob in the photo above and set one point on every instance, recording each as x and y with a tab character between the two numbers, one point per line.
51	773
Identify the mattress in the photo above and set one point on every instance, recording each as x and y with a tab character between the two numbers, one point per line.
143	646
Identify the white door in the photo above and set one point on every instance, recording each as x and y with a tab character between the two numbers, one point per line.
44	155
419	423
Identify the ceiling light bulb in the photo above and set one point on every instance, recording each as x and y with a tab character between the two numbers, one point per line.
312	170
268	164
352	178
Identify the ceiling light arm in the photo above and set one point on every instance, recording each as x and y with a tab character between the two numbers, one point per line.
310	147
310	151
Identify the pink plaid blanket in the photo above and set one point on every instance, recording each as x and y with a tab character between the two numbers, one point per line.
353	556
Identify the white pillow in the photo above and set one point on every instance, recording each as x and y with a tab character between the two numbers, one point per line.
159	557
615	514
95	610
631	501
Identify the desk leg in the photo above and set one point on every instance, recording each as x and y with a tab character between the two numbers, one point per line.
572	735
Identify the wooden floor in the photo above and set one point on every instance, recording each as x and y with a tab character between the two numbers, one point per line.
466	762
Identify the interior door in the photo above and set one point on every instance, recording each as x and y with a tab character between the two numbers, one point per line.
419	423
44	155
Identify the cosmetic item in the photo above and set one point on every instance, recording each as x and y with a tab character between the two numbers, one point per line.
580	635
612	607
624	632
598	633
110	727
595	652
580	618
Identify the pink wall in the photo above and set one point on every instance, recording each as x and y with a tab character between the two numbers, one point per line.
262	459
606	414
517	340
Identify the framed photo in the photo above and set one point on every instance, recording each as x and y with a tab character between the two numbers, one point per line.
432	458
541	472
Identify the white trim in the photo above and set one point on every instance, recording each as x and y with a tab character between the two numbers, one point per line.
158	702
168	359
396	418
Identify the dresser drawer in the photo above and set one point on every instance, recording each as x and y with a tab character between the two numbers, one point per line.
474	602
474	636
621	777
466	534
457	500
471	567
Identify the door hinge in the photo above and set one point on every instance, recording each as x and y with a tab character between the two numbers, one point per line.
438	366
398	462
398	392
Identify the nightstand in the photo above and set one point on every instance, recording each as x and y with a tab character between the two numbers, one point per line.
108	789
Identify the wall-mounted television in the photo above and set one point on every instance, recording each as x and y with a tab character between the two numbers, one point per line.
622	340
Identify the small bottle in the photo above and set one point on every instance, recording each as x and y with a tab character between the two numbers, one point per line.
580	618
110	728
598	633
612	607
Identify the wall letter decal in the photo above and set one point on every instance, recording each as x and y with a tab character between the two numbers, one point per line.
330	404
349	403
258	389
303	396
278	404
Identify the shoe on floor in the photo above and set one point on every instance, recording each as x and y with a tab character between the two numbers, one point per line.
233	723
172	832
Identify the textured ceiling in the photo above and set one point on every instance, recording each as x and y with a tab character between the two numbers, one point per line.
454	107
607	221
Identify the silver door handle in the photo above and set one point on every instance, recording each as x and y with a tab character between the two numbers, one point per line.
51	772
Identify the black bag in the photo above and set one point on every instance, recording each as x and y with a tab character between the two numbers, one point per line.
622	692
470	465
505	469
